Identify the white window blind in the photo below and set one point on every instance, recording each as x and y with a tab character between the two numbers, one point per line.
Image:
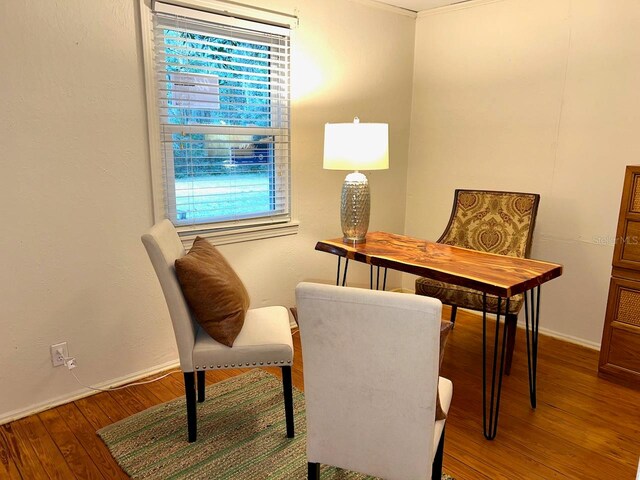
223	102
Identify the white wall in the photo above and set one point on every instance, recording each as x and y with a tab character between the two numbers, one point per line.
75	186
532	96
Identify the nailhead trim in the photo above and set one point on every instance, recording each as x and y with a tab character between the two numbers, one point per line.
248	364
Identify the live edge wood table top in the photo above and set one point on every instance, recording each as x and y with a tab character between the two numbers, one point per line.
486	272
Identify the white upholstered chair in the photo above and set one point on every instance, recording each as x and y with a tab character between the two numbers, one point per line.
371	362
265	338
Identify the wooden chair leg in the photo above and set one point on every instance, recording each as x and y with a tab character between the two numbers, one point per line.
190	393
511	324
436	470
287	390
200	376
454	310
314	471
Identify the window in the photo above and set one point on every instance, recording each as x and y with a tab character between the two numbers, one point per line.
221	98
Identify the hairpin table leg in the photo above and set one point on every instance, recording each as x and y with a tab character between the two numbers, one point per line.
370	277
344	274
490	416
532	311
384	280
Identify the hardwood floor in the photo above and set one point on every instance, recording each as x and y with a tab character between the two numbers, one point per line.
584	427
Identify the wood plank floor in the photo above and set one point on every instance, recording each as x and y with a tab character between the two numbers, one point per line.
584	427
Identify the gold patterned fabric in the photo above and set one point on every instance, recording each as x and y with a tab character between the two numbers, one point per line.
465	297
494	222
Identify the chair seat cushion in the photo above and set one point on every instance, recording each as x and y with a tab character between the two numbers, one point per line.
445	391
265	340
465	297
445	328
215	294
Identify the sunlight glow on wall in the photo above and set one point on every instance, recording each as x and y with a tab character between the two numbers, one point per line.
307	75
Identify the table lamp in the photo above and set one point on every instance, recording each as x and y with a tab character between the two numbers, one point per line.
355	146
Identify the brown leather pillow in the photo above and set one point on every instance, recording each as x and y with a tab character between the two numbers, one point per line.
217	297
445	328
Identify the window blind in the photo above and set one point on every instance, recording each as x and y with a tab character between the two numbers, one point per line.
223	98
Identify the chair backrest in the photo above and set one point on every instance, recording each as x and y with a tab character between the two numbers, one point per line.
164	247
490	221
370	378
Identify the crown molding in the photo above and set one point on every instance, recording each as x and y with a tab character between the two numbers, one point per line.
462	5
386	7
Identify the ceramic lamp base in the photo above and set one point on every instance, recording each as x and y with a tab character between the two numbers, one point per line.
354	208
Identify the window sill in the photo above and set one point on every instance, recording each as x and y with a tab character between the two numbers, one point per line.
226	236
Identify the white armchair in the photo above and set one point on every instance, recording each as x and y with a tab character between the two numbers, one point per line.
265	338
371	362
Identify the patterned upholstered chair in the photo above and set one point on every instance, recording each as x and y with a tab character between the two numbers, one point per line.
495	222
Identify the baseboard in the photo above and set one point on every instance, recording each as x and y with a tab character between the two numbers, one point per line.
84	392
567	338
552	333
402	290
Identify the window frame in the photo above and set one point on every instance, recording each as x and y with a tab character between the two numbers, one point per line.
223	232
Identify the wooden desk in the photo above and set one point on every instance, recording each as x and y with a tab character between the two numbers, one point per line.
488	273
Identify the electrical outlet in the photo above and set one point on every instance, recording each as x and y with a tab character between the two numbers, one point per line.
59	352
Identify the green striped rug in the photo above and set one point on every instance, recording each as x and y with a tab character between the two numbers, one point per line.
241	435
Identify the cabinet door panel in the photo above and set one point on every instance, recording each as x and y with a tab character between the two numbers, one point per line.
625	349
628	306
631	242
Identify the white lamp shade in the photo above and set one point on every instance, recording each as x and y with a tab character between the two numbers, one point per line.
356	146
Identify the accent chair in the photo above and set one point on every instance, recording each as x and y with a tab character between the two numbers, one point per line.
371	362
488	221
265	338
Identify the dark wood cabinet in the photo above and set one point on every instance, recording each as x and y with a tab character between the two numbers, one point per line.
620	350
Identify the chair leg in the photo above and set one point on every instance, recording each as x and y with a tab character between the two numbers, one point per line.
200	376
190	393
436	470
511	324
314	471
454	310
287	390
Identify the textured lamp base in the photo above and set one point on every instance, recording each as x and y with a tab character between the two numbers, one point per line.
354	208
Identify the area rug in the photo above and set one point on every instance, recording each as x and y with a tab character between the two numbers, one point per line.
241	435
